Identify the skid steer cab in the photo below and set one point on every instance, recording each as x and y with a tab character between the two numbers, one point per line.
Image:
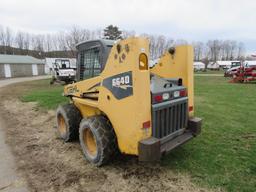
122	105
63	72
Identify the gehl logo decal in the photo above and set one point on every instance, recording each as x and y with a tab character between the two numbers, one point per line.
120	85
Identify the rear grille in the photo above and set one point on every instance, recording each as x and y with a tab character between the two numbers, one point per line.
169	117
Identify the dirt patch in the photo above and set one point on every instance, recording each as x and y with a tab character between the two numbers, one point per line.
49	164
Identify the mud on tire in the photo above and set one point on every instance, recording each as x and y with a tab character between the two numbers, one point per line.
104	138
68	118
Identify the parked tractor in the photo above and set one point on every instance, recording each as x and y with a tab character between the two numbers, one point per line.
119	104
63	72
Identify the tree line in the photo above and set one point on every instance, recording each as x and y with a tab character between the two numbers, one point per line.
214	50
62	44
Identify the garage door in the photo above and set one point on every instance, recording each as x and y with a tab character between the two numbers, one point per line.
7	70
34	69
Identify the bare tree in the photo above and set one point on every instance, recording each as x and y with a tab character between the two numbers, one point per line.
38	43
241	51
198	50
20	40
2	36
61	41
27	41
214	49
6	40
233	47
74	36
48	42
158	44
126	34
8	37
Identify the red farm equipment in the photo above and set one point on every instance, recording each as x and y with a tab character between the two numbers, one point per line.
244	74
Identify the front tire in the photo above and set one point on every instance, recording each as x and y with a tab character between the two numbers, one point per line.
97	140
68	119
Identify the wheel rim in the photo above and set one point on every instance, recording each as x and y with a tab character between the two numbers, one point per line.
62	125
90	142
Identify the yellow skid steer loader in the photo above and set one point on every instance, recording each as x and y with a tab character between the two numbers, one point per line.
121	104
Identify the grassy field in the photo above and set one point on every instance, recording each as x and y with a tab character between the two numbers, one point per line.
48	96
224	155
221	71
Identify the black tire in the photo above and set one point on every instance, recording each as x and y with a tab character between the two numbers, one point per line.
68	119
105	139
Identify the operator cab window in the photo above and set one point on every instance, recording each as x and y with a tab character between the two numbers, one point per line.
65	64
90	63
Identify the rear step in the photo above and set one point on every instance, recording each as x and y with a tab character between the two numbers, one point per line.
152	149
176	142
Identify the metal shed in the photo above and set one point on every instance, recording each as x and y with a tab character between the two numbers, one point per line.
20	66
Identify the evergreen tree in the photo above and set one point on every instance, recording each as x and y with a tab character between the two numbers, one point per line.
112	32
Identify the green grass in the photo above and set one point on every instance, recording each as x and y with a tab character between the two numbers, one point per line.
47	96
224	155
221	71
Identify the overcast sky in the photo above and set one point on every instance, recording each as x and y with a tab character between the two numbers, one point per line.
193	20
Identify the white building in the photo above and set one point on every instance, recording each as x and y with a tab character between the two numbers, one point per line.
223	64
213	65
20	66
250	63
199	66
50	61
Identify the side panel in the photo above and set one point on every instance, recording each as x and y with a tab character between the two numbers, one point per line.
129	107
87	107
178	65
76	89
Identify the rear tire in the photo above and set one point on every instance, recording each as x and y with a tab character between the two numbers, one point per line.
68	119
97	140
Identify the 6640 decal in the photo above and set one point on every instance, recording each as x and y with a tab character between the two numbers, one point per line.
120	85
125	80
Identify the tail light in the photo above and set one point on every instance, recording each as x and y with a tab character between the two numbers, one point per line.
191	108
158	98
183	93
146	125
